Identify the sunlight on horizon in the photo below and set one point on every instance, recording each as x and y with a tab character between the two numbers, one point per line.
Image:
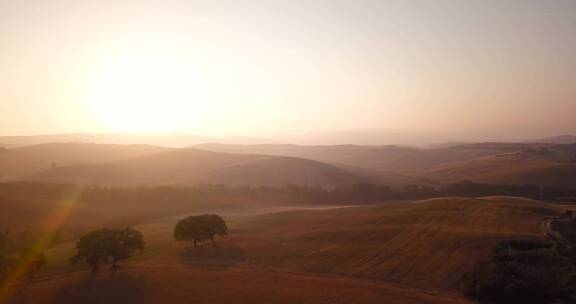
285	67
146	92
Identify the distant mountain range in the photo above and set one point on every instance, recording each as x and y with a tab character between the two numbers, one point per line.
159	139
366	137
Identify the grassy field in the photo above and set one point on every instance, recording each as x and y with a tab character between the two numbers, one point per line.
429	244
397	253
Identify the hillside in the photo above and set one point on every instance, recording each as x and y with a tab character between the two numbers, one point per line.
399	159
181	284
549	166
191	166
560	139
14	210
429	244
18	162
404	253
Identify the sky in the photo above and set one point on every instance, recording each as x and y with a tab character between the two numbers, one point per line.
261	67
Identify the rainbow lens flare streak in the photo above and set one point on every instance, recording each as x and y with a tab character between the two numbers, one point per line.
48	228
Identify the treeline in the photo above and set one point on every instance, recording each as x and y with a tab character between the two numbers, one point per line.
357	193
214	196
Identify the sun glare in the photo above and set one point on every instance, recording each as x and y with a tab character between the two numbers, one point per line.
146	93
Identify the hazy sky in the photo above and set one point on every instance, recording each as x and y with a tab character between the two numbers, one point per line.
271	66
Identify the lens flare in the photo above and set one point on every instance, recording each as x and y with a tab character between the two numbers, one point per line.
48	227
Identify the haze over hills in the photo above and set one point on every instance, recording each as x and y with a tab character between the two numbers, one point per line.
371	137
357	137
560	139
18	162
401	159
360	137
277	165
413	250
510	163
189	166
287	152
549	165
161	139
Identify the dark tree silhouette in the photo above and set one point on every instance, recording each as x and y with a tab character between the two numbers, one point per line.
200	228
101	246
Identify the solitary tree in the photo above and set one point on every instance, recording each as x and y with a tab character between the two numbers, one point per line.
101	246
200	228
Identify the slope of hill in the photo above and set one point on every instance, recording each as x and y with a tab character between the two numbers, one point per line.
192	166
18	162
405	251
560	139
181	284
553	166
429	244
385	158
509	171
36	215
13	211
371	137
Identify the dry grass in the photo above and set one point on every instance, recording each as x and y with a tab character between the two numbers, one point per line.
508	170
393	253
430	244
162	284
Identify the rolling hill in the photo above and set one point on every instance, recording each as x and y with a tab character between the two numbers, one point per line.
277	165
192	166
509	171
403	253
18	162
173	284
429	244
545	164
552	166
399	159
14	210
560	139
36	215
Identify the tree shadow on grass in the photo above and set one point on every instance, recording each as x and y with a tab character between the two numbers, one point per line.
110	288
217	256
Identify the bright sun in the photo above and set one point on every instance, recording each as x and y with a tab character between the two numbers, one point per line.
146	93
